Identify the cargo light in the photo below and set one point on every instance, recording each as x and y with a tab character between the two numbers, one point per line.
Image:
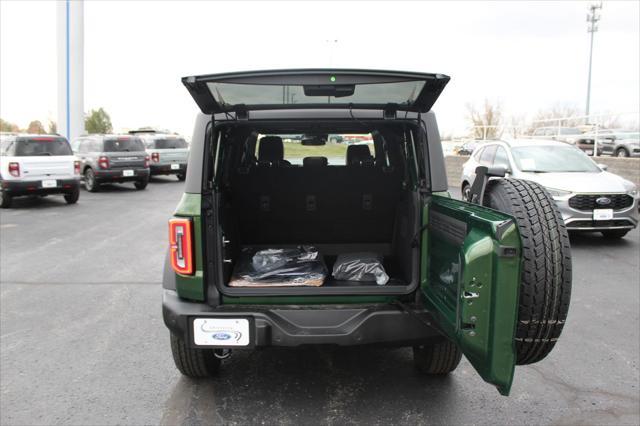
103	162
14	169
181	246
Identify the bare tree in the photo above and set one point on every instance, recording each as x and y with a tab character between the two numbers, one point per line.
36	127
517	126
549	117
486	121
6	126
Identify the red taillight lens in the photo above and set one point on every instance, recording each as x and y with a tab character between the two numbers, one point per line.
155	157
181	246
146	161
14	169
103	162
76	167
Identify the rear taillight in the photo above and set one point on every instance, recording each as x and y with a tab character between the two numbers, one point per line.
155	157
181	246
76	167
146	161
14	169
103	162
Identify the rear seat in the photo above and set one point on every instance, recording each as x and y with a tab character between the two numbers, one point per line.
271	152
316	203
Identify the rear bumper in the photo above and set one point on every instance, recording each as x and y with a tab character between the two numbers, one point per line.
276	325
165	169
116	175
18	188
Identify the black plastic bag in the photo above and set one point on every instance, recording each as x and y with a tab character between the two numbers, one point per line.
301	266
360	267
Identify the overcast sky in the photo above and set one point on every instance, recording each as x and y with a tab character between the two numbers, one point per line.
528	56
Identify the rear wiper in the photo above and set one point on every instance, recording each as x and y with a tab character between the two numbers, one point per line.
46	153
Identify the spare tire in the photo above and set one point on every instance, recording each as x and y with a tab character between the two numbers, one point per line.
545	287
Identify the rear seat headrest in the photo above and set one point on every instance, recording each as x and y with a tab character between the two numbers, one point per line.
271	150
359	155
315	161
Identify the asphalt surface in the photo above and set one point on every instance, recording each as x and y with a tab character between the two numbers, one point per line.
82	339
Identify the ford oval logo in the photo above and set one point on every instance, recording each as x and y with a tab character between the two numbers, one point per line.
603	201
222	336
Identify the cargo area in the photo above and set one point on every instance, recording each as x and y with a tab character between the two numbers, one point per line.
357	198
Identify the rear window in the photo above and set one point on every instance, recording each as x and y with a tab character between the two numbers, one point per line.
297	147
124	144
400	92
42	146
169	143
569	131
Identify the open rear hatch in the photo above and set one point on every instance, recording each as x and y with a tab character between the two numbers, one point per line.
315	88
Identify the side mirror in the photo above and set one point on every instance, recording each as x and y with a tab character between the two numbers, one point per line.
603	166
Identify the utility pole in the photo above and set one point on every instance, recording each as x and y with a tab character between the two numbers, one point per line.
592	19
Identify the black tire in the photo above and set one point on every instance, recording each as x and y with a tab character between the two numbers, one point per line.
193	362
5	200
614	234
621	152
466	191
90	182
545	287
72	197
181	177
141	184
439	358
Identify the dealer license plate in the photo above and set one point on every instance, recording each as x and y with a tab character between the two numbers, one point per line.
127	173
221	331
603	214
175	166
49	183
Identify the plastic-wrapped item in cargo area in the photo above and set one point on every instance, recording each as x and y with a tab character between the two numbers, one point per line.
279	267
360	267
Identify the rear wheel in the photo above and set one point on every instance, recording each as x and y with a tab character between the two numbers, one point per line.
181	176
193	362
466	192
72	197
545	287
5	199
614	234
439	358
141	184
90	182
621	152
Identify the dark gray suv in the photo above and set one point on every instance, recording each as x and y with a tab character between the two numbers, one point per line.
112	159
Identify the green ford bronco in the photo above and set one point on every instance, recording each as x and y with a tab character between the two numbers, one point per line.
286	237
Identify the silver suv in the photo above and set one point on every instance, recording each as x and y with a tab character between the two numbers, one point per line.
589	198
169	153
112	159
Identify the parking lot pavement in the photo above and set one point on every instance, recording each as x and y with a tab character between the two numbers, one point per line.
82	339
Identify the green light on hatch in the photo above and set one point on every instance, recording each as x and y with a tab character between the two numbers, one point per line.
332	78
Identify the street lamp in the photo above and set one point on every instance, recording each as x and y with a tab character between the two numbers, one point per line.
592	18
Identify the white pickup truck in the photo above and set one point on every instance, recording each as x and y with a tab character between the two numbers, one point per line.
37	165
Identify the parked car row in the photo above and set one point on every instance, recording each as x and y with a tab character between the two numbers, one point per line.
589	197
621	143
41	165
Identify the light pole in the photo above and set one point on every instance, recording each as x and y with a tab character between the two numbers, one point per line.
592	18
